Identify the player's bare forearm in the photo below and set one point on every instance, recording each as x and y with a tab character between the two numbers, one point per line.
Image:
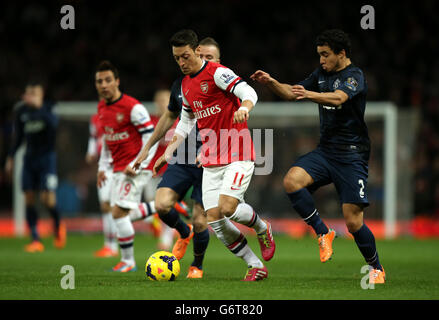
165	123
327	98
282	90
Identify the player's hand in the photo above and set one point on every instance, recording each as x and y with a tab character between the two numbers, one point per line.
101	179
299	91
158	165
129	171
142	156
261	77
240	116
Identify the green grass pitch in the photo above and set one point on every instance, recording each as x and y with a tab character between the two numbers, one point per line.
295	272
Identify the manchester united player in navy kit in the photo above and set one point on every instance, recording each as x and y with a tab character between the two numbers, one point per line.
36	124
339	87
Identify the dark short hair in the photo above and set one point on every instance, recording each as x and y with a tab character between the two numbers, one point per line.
183	38
107	66
335	39
36	81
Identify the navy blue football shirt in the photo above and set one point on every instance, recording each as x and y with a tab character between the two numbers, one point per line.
342	128
37	127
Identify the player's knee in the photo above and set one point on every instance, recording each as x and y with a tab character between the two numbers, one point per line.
200	223
105	207
227	209
353	226
162	207
291	183
118	212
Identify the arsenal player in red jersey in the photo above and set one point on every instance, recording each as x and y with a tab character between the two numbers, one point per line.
127	126
219	101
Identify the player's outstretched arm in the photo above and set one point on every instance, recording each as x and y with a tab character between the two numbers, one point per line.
164	124
282	90
335	98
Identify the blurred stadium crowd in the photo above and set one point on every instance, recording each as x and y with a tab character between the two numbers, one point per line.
399	57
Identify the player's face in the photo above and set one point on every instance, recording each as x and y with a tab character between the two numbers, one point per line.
329	60
106	84
33	96
209	53
188	61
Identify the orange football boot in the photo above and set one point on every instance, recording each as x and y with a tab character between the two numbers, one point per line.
325	245
34	246
377	276
106	252
194	273
61	238
180	245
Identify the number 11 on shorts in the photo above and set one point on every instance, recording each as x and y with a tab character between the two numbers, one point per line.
236	186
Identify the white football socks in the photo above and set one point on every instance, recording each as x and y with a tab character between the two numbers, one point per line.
109	229
125	236
244	214
235	241
143	211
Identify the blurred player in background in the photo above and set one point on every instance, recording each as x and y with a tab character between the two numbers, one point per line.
145	209
339	87
110	248
36	124
127	127
215	98
180	177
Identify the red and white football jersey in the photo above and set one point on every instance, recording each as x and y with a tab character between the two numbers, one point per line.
209	95
124	122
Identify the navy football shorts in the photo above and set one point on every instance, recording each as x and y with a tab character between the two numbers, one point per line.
39	172
181	177
349	174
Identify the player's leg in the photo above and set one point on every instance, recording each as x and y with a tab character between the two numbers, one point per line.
351	183
224	229
32	218
174	185
110	248
126	195
200	240
29	184
48	198
237	177
308	174
49	184
236	243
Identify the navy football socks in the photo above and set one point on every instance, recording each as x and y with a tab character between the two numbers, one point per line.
303	203
201	240
55	216
31	218
366	243
172	219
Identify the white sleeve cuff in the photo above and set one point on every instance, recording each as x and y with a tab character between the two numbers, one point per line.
244	92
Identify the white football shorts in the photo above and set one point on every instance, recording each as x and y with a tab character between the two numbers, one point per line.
126	191
104	192
230	180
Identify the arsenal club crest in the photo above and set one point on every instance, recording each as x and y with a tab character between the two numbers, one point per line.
119	117
204	86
